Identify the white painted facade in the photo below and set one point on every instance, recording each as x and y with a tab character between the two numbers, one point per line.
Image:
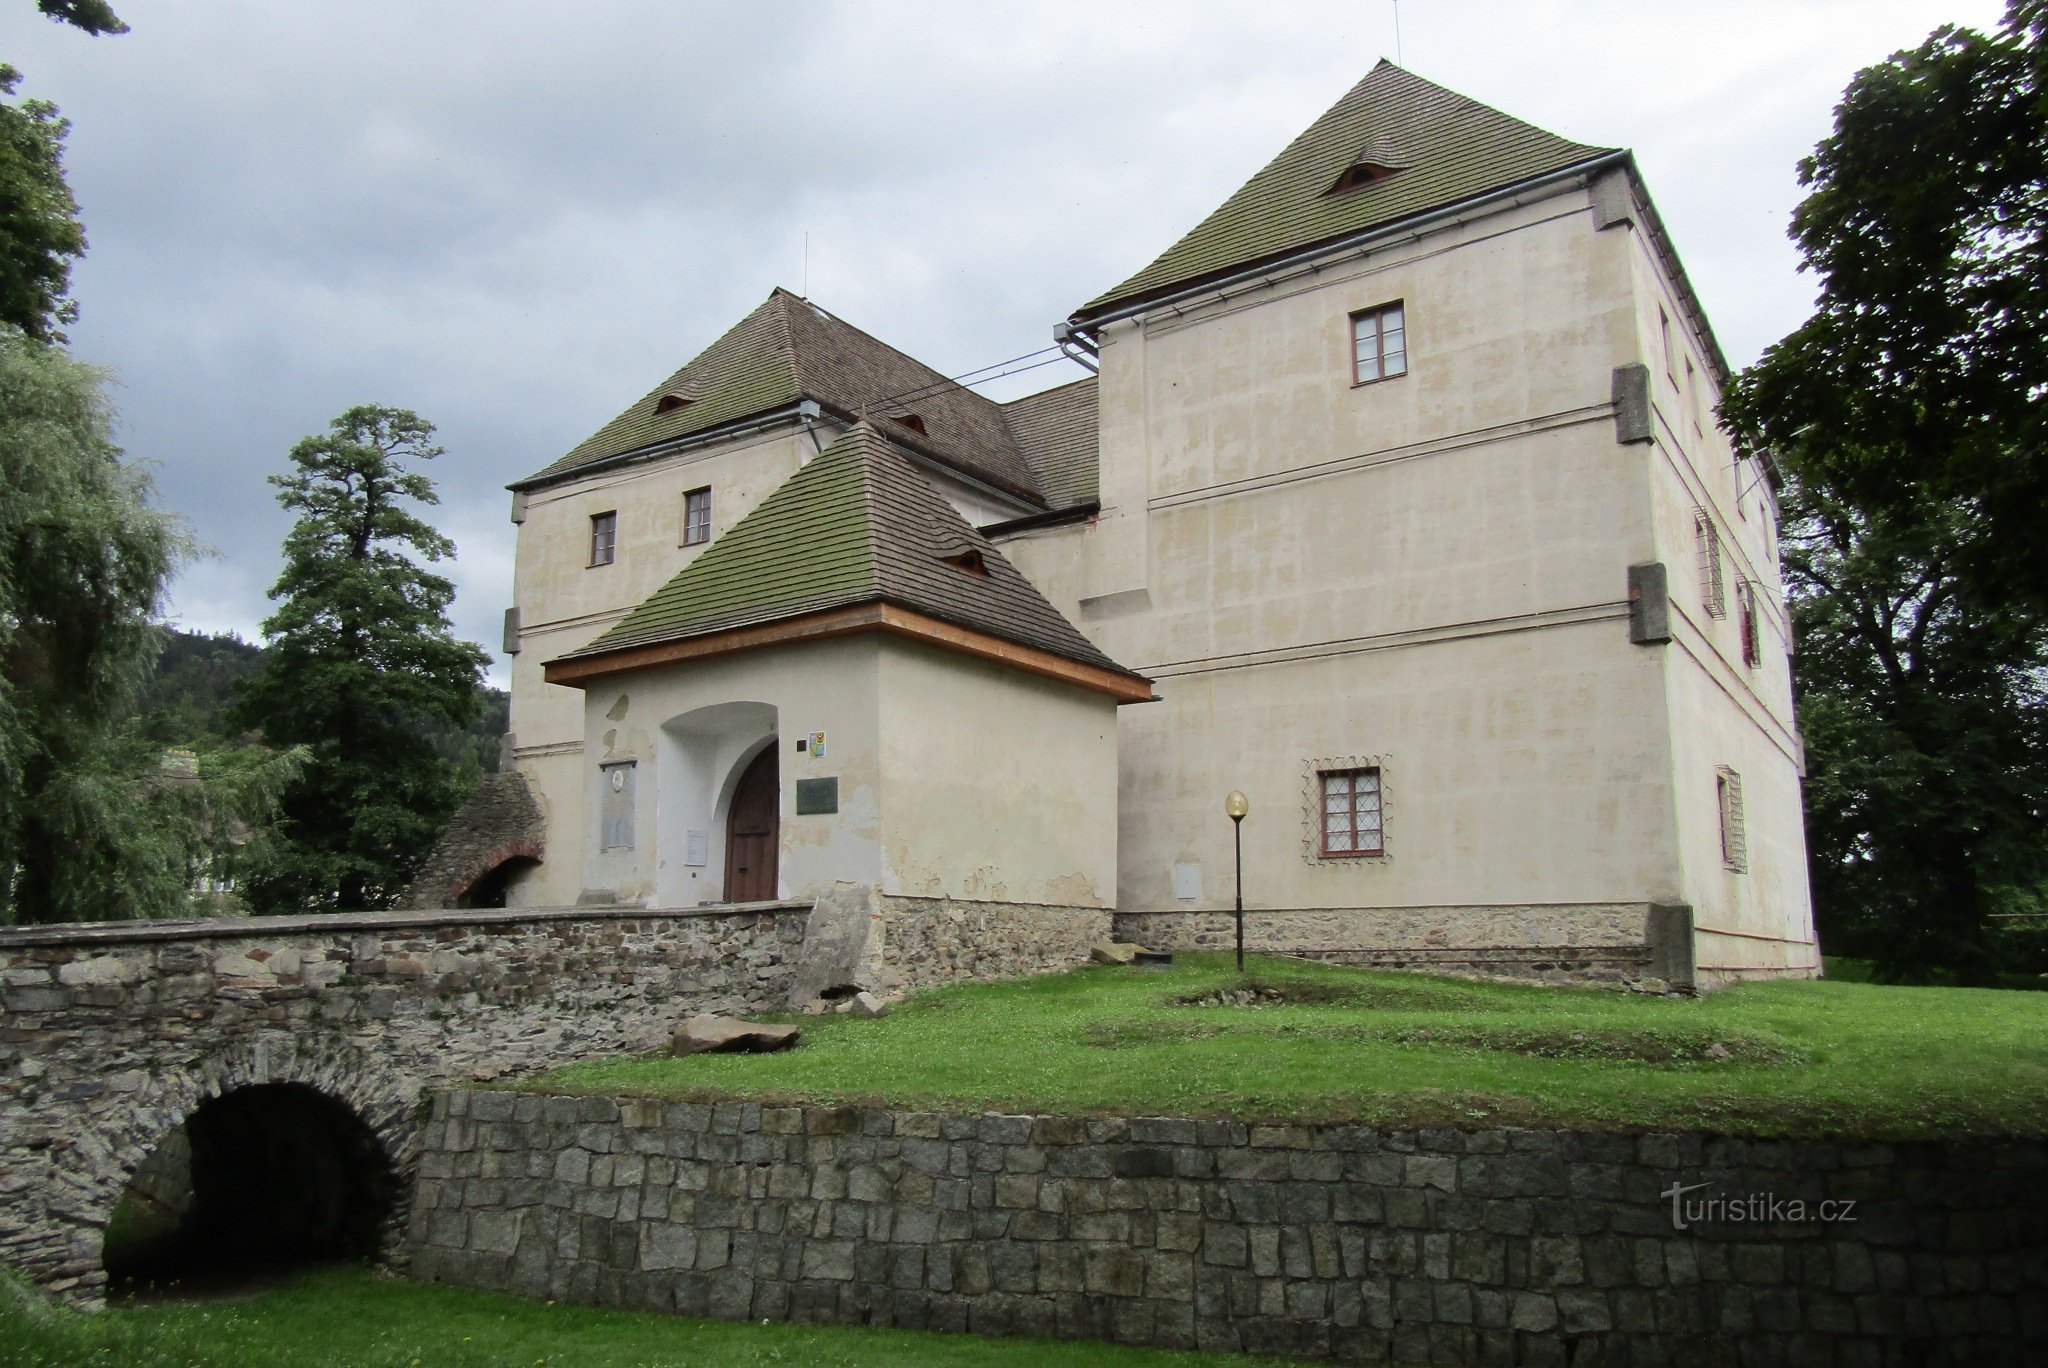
1426	574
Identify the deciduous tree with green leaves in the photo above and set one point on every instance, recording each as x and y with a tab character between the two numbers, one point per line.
92	825
361	662
1910	413
40	235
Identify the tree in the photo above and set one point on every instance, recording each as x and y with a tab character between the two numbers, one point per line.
83	564
1908	414
1926	732
40	235
1923	369
361	666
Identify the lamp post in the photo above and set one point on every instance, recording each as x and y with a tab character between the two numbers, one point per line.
1237	805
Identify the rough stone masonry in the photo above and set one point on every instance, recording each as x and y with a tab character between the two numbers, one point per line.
113	1034
1434	1246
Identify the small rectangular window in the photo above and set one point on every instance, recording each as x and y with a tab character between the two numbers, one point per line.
1351	824
604	537
1745	621
697	516
1713	592
1664	334
1734	840
1379	343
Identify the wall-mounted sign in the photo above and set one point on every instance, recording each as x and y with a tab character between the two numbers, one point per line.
816	796
697	848
817	745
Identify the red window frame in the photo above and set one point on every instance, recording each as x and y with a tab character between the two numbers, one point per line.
1371	330
1343	793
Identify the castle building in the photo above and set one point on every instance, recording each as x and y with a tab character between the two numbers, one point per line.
1398	504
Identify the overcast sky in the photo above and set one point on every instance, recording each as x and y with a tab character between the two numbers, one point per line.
515	218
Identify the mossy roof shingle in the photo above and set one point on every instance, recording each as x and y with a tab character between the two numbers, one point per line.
1056	430
856	525
789	350
1445	148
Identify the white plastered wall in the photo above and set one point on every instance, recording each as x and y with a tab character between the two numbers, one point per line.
997	785
690	727
1725	711
1429	572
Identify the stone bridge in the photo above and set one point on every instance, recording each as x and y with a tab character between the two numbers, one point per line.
286	1060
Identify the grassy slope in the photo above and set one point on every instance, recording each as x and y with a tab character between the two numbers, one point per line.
1804	1058
354	1319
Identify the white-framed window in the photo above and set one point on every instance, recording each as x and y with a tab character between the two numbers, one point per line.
1734	839
1351	817
604	537
1713	590
1379	343
1746	623
697	516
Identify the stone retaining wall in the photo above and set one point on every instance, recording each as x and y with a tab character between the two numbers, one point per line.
113	1033
940	940
1445	1247
1602	943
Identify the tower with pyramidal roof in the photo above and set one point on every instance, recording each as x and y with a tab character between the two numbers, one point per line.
1398	504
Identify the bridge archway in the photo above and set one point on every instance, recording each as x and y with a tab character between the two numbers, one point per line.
257	1181
286	1150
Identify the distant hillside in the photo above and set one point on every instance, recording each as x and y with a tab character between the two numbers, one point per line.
187	696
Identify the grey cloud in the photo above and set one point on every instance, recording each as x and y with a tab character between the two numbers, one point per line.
515	217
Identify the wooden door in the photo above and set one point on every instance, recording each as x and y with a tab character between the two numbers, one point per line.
752	829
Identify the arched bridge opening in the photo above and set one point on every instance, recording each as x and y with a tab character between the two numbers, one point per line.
258	1181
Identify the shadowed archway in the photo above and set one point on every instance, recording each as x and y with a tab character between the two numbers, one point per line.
257	1181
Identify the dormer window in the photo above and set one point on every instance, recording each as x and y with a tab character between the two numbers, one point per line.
669	403
970	561
911	421
1360	176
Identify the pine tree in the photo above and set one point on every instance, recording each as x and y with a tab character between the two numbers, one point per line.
362	663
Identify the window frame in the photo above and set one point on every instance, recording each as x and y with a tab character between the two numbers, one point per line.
1351	797
1377	315
691	525
604	538
1734	824
1713	582
1746	625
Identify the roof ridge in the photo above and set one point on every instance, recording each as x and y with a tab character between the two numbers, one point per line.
1458	147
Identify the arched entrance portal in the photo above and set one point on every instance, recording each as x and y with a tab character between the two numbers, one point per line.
753	830
259	1180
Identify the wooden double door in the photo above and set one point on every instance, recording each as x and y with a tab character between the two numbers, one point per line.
753	829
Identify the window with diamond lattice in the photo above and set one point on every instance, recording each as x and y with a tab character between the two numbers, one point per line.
1734	836
1713	592
1745	617
1351	813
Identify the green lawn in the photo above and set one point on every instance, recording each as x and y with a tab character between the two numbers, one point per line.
355	1319
1784	1058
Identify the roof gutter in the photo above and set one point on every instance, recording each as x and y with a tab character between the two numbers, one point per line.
1297	261
1087	508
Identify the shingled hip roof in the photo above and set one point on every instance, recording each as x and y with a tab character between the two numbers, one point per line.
787	351
1442	148
857	525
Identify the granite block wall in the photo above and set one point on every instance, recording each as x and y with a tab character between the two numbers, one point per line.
1437	1246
